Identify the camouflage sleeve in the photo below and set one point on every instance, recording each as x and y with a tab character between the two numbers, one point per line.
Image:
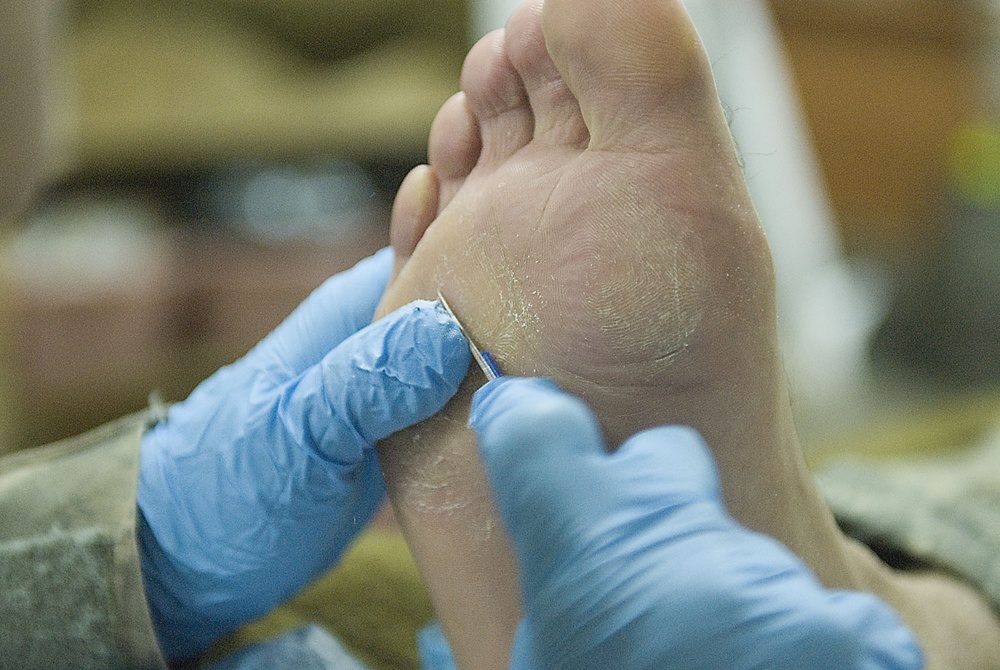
70	584
941	511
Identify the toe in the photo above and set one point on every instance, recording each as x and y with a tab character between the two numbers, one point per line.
454	146
632	66
496	96
554	107
413	210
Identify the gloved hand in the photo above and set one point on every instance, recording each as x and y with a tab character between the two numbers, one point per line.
629	560
257	482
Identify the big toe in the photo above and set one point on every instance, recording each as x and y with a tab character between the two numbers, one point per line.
637	69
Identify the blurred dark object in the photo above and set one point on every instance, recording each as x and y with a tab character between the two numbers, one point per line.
307	201
946	322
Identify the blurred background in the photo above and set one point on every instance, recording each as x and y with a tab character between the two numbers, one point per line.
212	161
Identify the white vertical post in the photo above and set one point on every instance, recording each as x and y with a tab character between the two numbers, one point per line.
779	164
825	314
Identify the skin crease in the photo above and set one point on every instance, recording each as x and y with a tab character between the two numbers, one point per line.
621	255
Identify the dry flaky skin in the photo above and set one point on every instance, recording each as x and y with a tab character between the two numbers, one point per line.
442	502
585	214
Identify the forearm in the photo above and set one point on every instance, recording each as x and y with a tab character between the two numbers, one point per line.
69	568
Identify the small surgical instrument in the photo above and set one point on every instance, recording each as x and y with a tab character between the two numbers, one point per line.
483	358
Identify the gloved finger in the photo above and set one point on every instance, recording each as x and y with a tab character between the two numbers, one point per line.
530	434
556	486
390	375
341	306
530	431
541	449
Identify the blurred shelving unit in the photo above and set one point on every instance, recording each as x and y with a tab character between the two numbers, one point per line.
154	103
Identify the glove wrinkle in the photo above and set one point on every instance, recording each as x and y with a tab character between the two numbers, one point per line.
409	369
258	481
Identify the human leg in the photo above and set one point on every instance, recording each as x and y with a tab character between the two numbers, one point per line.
593	225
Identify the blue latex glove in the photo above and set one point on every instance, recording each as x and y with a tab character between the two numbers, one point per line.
631	561
257	482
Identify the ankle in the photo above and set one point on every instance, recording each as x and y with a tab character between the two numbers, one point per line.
955	625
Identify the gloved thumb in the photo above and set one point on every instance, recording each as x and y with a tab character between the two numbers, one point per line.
388	376
543	450
533	439
557	488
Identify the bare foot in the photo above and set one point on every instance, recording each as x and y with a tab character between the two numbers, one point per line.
611	251
592	225
585	214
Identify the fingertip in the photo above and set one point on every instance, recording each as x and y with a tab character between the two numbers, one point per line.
335	310
504	393
371	272
392	374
